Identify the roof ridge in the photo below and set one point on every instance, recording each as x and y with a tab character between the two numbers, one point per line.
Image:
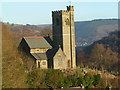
33	37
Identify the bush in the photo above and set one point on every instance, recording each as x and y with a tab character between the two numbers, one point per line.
81	81
73	79
66	83
31	79
54	78
96	80
36	78
88	80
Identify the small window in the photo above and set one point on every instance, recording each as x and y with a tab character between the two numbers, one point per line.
43	63
68	63
67	21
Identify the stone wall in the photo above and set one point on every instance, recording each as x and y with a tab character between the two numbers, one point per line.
60	61
42	64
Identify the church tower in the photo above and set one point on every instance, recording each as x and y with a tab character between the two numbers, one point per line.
64	33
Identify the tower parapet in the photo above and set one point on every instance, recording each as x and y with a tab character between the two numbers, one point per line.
70	8
60	12
64	11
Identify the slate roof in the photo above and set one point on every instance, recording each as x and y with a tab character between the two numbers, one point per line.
40	56
51	53
37	42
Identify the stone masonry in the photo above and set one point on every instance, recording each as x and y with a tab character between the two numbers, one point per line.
64	33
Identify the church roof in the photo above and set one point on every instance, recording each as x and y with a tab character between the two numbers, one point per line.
40	56
37	42
52	52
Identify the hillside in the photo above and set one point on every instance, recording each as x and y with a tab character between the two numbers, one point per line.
90	31
14	64
27	26
104	53
86	31
111	41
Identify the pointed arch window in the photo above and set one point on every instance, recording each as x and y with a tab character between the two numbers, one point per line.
67	21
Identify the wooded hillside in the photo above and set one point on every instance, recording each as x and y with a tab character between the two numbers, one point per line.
14	71
103	53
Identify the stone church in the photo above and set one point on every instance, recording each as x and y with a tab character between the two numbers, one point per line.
59	53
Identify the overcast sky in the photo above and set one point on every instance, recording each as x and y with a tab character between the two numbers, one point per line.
40	12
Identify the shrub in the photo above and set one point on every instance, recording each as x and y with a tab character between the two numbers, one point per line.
54	78
66	83
81	81
89	79
31	79
74	80
36	78
96	80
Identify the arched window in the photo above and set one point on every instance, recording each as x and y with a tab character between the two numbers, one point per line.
67	21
